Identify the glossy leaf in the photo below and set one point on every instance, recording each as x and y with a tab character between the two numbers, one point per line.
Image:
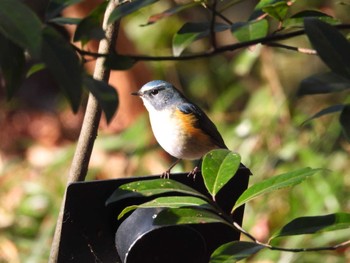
12	65
191	32
278	10
21	25
323	83
218	167
274	183
55	7
90	26
258	10
332	47
234	251
119	62
171	11
180	216
250	30
105	94
344	119
297	20
315	224
149	188
127	8
329	110
170	202
63	64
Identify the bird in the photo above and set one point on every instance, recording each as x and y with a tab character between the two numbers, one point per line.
180	126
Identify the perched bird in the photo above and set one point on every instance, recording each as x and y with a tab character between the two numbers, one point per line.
181	128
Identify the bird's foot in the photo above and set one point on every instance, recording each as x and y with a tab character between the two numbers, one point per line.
193	173
166	174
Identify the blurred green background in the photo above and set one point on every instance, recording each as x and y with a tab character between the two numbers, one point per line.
249	94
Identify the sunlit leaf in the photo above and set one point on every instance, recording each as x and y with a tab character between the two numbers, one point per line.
105	94
191	32
55	7
171	11
35	68
12	62
180	216
329	110
170	202
21	25
332	47
278	10
323	83
250	30
119	62
127	8
344	119
234	251
297	20
262	4
315	224
63	64
90	26
275	183
218	167
148	188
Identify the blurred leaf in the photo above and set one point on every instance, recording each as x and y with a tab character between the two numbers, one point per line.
332	47
259	8
329	110
275	183
234	251
344	120
35	68
297	20
65	20
323	83
250	30
191	32
12	62
277	10
64	65
119	62
180	216
90	27
148	188
127	8
314	224
55	7
218	167
170	202
105	94
21	25
171	11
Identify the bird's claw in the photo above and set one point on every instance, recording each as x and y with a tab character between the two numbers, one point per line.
193	173
165	175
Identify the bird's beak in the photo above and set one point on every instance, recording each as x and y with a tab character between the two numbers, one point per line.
138	93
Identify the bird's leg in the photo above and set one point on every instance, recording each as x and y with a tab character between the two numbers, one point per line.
195	170
166	174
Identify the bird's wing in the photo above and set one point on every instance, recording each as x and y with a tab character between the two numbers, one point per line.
203	123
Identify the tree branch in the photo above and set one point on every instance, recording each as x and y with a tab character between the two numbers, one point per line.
90	125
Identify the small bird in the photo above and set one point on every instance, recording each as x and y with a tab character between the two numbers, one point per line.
181	128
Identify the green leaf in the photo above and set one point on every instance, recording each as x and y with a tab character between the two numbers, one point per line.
250	30
218	167
329	110
263	4
170	202
35	68
234	251
149	188
297	20
63	64
65	20
12	65
323	83
119	62
191	32
332	47
105	94
127	8
181	216
21	25
90	26
274	183
314	224
55	7
278	10
344	120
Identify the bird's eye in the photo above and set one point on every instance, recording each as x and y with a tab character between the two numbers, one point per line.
154	92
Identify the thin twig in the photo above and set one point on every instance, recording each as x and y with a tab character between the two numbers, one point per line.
306	51
212	25
90	125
